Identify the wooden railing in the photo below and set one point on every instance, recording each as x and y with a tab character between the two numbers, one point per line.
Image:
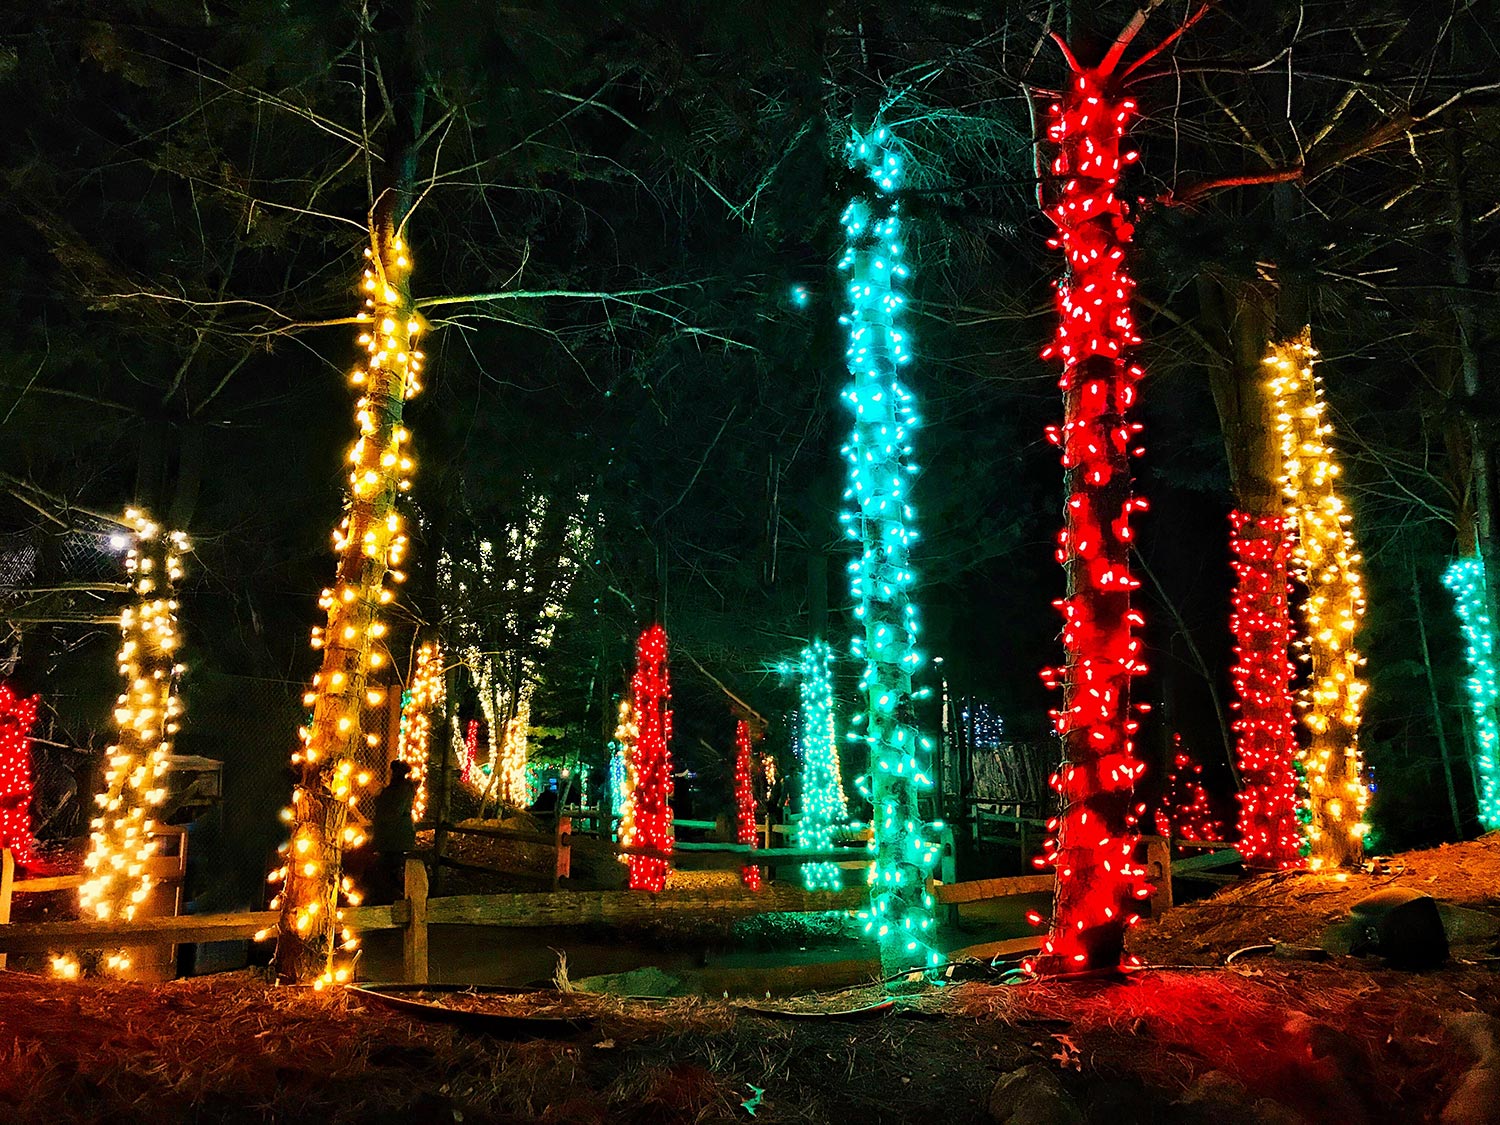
416	912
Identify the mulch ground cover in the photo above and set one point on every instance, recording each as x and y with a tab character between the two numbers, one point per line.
1262	1039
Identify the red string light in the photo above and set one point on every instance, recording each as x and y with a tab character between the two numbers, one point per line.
1093	839
16	717
469	772
1186	813
1260	622
744	800
652	799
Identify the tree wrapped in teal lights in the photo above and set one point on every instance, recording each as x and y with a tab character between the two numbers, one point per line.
880	475
1466	579
824	806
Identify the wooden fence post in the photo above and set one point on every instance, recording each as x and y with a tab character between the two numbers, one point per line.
7	879
414	937
562	837
1159	871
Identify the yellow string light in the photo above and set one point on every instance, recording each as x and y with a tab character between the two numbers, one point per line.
371	544
147	717
424	696
1327	564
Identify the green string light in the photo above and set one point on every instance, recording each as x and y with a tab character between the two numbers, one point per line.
1466	579
880	520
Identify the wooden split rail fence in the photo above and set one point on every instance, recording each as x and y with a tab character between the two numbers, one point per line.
417	911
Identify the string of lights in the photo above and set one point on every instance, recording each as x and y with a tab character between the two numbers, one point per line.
1465	577
418	702
370	544
17	714
651	794
1325	561
1094	838
881	520
744	801
147	716
1270	834
825	808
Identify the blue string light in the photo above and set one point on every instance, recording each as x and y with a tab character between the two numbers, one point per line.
881	519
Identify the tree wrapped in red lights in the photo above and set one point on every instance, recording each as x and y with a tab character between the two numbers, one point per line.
651	695
744	800
16	716
1186	813
1095	834
1260	622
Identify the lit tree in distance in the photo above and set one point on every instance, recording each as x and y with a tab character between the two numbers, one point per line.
881	521
16	717
1186	812
744	800
418	702
1099	881
146	717
1327	564
1465	578
1270	834
514	752
824	807
622	773
370	544
469	772
651	795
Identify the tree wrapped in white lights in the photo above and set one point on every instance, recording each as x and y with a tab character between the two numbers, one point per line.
147	715
504	596
424	694
881	521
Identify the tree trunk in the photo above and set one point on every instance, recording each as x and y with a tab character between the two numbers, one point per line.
369	543
1437	709
879	457
1099	882
1327	564
1477	534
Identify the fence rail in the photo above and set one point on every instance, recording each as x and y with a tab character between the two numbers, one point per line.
416	912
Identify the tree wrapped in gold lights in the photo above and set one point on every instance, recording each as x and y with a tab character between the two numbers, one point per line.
147	716
370	543
1326	562
423	696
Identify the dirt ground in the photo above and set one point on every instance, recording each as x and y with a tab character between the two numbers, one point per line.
1296	907
1262	1040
